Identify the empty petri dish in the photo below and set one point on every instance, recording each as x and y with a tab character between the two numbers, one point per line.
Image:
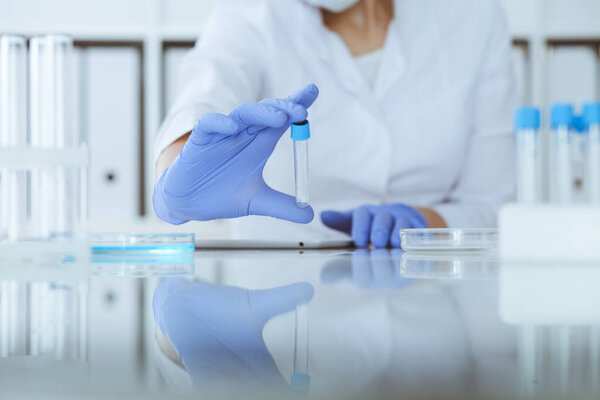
449	265
448	239
150	243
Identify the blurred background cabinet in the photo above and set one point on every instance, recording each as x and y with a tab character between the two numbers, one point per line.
110	100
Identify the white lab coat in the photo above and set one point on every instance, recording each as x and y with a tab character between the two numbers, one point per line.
434	130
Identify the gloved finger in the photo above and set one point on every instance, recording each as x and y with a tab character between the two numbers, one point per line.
396	256
361	226
381	229
398	276
361	268
207	126
271	302
382	267
272	203
336	270
163	291
294	111
265	142
305	96
160	199
416	219
401	222
340	221
257	114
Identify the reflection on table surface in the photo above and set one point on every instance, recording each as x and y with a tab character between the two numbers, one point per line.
381	324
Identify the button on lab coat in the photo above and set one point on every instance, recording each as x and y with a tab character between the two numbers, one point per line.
433	131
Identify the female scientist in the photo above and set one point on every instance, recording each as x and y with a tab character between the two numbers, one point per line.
411	129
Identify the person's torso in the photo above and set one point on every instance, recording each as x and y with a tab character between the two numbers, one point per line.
401	140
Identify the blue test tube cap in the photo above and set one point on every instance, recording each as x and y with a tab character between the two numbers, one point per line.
579	124
561	115
591	113
301	130
527	118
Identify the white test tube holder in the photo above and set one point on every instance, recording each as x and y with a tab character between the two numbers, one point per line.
561	230
549	232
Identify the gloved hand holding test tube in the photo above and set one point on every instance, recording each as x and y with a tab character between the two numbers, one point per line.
219	171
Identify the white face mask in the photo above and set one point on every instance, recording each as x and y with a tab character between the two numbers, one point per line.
332	5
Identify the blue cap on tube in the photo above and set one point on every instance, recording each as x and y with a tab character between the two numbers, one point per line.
562	114
591	113
527	118
301	130
579	124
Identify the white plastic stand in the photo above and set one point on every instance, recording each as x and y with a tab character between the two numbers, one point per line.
549	233
549	293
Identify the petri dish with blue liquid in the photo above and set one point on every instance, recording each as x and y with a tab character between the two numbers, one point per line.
142	243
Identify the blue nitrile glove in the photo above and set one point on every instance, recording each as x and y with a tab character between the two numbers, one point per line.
219	172
378	268
378	225
217	331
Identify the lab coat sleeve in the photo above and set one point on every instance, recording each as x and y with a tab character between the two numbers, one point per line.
220	72
488	176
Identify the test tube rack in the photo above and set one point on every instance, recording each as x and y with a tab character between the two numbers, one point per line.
567	226
28	250
45	324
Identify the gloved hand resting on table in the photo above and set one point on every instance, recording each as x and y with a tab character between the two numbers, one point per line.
378	225
219	172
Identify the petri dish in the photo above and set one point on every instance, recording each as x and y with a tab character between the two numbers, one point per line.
142	265
448	239
449	265
148	243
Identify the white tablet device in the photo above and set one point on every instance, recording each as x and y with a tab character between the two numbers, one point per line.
243	244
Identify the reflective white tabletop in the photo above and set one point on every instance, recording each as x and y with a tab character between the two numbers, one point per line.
382	324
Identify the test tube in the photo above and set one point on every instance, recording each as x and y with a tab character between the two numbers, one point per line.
591	118
54	190
300	136
578	151
594	360
13	133
561	176
300	378
527	124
